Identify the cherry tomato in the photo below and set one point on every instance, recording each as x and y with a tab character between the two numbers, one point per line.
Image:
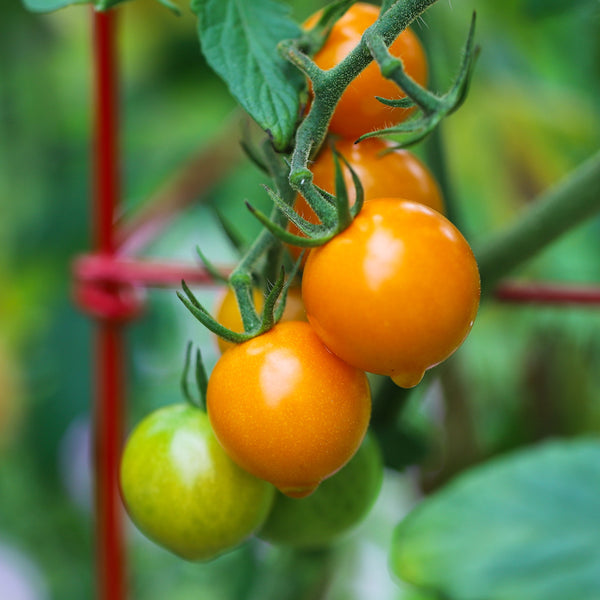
228	311
286	409
336	506
358	111
183	491
395	173
396	292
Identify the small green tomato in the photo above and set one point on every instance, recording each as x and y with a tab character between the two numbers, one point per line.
183	491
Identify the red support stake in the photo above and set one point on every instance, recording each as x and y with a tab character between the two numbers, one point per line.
108	417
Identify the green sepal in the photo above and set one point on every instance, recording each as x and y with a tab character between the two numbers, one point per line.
191	303
345	212
201	379
236	240
212	270
283	299
432	108
284	235
250	149
268	314
310	229
405	102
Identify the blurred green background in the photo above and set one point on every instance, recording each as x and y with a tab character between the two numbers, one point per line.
526	372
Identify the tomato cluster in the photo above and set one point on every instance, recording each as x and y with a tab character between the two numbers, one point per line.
393	294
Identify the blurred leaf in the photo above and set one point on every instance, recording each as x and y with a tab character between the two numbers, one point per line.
239	40
524	527
52	5
49	5
545	8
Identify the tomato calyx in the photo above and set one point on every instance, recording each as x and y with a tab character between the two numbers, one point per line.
432	108
250	270
254	325
201	379
334	211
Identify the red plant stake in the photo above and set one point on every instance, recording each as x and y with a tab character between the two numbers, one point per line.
108	421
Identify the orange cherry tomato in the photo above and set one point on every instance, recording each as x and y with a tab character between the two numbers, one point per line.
228	311
286	409
358	111
396	292
395	173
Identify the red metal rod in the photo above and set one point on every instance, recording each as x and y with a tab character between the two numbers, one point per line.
108	421
146	273
548	293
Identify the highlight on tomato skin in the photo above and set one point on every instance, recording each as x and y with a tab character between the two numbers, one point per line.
358	110
286	409
383	172
395	293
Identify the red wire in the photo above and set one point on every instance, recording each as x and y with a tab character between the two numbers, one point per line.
548	293
108	421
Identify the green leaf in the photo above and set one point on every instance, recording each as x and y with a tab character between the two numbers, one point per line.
523	527
239	40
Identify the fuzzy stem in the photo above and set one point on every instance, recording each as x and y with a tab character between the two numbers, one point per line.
330	85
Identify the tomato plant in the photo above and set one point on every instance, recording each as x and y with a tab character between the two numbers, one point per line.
358	111
383	170
391	288
335	507
183	491
412	295
286	409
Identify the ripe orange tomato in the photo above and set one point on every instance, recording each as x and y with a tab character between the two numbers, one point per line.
286	409
397	173
228	311
358	111
396	292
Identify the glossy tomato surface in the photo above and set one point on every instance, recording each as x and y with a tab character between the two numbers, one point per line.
183	491
228	312
336	506
288	410
358	110
396	292
382	172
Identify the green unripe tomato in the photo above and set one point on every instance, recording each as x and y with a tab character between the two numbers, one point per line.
337	505
183	491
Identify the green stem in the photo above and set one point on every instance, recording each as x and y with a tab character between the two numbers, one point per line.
393	68
265	243
329	85
562	207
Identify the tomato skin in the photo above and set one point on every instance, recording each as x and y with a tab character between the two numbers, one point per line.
183	491
336	506
395	173
358	111
286	409
228	311
396	292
